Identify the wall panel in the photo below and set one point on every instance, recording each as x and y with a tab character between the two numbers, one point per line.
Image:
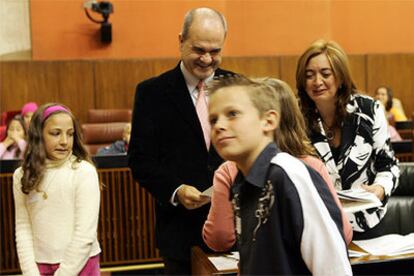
358	71
69	82
116	80
111	83
396	71
288	70
76	86
253	66
24	81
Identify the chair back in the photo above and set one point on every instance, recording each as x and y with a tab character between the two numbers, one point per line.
104	127
6	116
2	132
97	135
400	210
404	150
109	115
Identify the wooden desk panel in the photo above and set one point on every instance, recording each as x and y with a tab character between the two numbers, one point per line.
8	259
200	264
126	223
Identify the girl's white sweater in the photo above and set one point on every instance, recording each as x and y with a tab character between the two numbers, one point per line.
58	223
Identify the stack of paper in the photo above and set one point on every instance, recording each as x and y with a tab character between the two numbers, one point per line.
357	200
226	261
389	245
356	254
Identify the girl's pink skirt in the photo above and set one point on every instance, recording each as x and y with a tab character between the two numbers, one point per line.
91	268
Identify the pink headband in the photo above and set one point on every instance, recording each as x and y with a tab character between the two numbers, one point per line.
29	107
52	109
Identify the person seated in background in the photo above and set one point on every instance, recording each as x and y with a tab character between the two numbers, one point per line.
14	144
384	95
396	103
394	135
27	112
120	146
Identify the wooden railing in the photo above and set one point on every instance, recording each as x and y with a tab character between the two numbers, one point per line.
126	222
8	259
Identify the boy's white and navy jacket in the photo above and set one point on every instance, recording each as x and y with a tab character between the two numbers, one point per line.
286	219
365	156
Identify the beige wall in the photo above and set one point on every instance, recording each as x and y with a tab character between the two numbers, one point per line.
14	29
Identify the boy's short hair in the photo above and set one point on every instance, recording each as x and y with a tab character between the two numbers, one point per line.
261	93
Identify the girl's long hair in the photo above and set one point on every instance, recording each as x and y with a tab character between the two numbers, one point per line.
34	162
291	135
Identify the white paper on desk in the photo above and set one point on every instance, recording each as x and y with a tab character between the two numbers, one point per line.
356	254
208	192
392	244
226	262
408	251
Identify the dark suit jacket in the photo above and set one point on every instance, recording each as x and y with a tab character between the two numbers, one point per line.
167	149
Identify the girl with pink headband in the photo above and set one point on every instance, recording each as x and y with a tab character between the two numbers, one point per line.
57	199
27	112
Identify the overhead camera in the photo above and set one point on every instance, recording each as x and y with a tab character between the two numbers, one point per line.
105	8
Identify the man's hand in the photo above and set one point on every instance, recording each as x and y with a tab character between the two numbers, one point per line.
376	189
190	197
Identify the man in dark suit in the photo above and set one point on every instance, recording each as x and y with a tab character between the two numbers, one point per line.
169	154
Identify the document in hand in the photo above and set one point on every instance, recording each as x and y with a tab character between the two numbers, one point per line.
208	192
357	200
389	245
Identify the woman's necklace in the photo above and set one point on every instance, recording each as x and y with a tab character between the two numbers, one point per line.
329	131
330	134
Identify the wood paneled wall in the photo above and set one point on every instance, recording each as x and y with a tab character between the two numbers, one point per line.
395	71
88	84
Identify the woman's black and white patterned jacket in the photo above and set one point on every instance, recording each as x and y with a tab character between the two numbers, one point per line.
366	156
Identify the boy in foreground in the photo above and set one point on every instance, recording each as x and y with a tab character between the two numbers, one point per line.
286	219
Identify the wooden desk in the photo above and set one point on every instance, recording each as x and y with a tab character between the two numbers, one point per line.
382	265
201	265
369	264
373	259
